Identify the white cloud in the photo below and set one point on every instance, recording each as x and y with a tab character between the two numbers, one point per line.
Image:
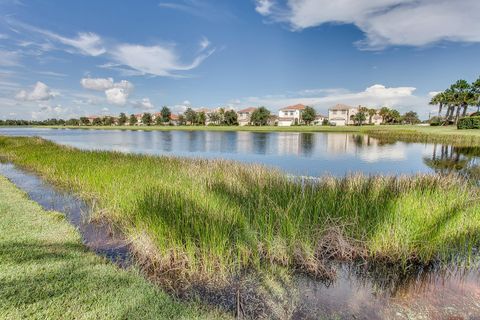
144	104
264	7
9	58
40	92
385	22
204	43
401	98
155	60
98	84
116	92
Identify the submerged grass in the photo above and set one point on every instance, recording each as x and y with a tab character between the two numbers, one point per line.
194	220
46	272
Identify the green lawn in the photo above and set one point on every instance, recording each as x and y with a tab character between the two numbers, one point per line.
46	272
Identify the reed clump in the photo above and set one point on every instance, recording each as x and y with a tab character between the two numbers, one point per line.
204	220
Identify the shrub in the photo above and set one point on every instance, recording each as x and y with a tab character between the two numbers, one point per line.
469	123
436	121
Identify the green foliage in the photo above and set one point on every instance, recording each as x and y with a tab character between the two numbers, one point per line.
122	119
230	118
220	216
260	116
191	116
166	113
201	118
308	115
97	122
411	117
132	120
147	119
469	123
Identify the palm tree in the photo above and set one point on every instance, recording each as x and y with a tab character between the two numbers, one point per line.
384	112
371	113
462	95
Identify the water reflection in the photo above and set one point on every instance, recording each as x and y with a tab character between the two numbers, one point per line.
304	154
447	159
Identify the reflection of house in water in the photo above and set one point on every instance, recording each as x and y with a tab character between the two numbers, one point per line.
288	143
364	147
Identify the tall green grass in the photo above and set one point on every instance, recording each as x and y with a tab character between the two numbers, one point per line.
203	220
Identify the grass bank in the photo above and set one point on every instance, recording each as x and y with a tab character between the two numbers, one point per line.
46	272
409	133
198	219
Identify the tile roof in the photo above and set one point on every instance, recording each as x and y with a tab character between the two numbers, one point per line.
295	107
247	110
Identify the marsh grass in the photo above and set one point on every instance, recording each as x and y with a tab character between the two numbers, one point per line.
204	220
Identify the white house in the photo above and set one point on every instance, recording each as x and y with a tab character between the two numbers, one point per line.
341	115
290	115
319	120
244	116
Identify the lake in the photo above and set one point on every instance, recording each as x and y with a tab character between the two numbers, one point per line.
304	154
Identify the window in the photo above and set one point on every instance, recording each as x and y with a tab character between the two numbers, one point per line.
291	113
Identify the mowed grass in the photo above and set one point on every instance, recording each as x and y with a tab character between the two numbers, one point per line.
46	272
412	133
194	220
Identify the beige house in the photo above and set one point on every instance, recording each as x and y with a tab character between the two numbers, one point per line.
341	115
244	116
290	115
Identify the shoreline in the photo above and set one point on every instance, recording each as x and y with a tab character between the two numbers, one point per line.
405	133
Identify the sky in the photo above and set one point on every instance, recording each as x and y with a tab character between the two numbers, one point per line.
67	59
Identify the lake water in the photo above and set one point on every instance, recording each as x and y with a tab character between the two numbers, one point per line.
305	154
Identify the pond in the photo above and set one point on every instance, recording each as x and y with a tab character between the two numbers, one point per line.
303	154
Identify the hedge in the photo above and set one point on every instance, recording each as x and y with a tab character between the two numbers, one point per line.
469	123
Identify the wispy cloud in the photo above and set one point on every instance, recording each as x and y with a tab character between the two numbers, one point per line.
199	8
9	58
385	22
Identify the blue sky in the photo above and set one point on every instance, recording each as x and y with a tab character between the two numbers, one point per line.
74	58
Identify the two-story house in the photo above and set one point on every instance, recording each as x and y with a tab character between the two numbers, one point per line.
290	115
244	116
341	115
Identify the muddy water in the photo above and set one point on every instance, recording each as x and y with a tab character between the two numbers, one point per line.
358	292
96	236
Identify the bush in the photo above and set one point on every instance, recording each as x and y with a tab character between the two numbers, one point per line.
436	121
469	123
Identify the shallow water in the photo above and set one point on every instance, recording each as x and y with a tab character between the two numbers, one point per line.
98	237
304	154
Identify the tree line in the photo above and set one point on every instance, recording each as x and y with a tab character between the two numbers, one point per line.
456	100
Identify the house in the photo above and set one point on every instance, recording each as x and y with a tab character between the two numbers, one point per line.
174	119
139	116
244	116
376	119
92	118
341	115
290	115
319	118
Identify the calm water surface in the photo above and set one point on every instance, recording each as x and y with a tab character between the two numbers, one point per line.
308	154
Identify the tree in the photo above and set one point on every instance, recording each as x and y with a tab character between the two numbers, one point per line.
214	117
371	113
359	118
166	113
230	118
132	120
108	121
97	122
201	118
394	116
411	117
84	121
384	112
181	119
122	119
308	115
476	93
147	119
260	116
72	122
191	116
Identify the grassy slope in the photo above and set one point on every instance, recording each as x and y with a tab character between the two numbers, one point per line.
46	273
199	217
